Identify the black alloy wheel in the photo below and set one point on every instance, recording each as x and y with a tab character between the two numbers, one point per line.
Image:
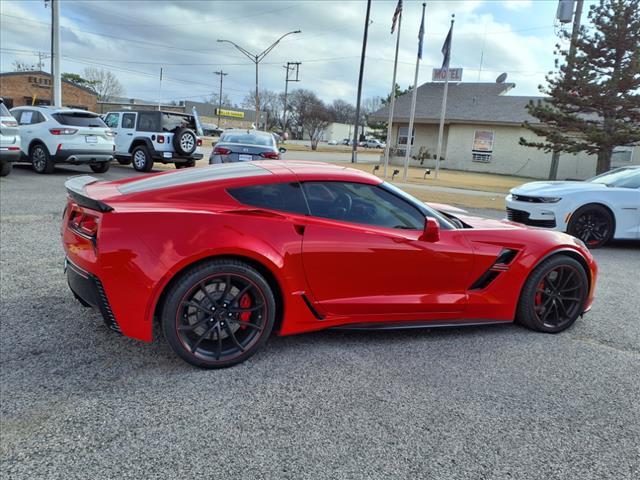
218	314
554	295
593	224
100	167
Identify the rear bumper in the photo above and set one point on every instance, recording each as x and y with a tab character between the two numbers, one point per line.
89	290
12	155
168	157
83	156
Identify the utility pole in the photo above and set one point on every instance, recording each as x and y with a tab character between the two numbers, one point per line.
55	53
354	147
160	91
290	66
577	16
257	58
221	74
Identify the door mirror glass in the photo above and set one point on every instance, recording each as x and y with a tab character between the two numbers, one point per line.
282	150
431	230
213	144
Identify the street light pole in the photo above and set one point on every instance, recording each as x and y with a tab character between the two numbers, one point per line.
257	58
222	75
354	147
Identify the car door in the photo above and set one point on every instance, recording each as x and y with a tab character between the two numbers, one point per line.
125	133
363	255
625	198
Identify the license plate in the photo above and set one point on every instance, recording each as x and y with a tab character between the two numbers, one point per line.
245	158
91	139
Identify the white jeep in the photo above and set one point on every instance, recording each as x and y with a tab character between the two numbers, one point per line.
147	136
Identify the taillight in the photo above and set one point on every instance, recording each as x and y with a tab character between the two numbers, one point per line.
62	131
83	222
160	138
8	123
221	151
199	142
271	155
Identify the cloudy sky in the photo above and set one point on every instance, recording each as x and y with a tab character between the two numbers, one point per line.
135	38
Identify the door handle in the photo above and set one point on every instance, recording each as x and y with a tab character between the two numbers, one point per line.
129	133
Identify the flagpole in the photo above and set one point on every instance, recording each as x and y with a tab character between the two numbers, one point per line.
413	102
392	104
444	105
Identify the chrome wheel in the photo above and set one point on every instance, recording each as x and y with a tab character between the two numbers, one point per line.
139	159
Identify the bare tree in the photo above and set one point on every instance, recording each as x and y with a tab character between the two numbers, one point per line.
342	112
226	101
270	102
104	83
309	112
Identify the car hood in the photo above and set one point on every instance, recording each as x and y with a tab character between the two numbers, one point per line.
490	223
556	188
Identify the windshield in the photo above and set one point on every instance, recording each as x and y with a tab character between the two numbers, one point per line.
79	119
620	177
444	222
248	139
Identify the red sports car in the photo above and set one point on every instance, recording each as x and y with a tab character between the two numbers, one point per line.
222	256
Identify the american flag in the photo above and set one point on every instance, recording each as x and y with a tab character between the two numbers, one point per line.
396	15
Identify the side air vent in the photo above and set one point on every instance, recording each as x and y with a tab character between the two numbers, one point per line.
506	256
501	263
485	279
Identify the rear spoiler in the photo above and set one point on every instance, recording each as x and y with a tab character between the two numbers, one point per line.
75	187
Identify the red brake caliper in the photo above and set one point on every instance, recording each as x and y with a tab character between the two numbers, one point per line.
245	302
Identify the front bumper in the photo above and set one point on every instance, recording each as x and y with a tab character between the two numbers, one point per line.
83	156
88	289
545	215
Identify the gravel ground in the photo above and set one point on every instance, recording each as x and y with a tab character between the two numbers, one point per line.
79	401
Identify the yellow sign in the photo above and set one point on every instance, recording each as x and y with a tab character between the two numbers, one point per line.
229	113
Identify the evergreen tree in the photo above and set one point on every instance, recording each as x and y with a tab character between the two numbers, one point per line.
594	106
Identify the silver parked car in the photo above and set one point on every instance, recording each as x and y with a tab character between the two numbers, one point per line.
245	146
9	140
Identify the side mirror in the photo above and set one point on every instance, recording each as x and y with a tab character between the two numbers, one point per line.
213	144
431	230
282	150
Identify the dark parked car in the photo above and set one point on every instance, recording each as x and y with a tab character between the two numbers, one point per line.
245	146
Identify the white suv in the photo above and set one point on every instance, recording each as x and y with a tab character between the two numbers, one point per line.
9	140
147	136
51	135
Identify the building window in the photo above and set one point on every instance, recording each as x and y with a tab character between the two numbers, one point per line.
481	157
622	155
8	102
402	135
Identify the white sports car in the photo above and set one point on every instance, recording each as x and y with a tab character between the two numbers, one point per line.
604	207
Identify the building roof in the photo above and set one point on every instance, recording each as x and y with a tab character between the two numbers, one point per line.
46	74
466	103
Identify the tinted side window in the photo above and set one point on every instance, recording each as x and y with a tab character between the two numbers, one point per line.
128	120
112	120
361	203
286	197
148	122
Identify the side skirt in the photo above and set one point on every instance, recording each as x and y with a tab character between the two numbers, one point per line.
418	324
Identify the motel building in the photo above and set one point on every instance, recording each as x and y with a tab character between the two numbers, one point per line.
482	129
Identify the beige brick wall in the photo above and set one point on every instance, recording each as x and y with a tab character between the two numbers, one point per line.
32	84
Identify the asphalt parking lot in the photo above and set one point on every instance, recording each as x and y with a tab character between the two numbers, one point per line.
78	401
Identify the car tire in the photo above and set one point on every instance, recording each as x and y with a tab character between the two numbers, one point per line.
185	141
593	224
40	159
141	159
188	164
101	167
5	168
218	313
554	295
124	161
